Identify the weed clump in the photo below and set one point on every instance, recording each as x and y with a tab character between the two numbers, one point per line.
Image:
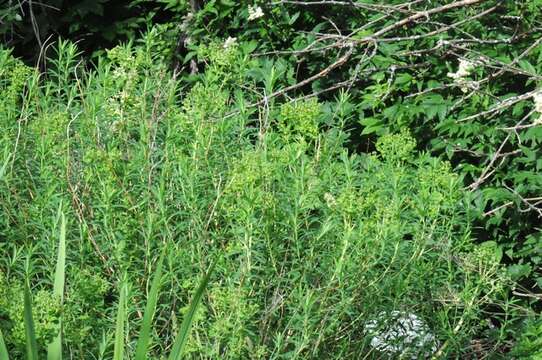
313	243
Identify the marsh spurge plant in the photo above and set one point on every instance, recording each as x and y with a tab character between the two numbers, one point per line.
54	349
312	241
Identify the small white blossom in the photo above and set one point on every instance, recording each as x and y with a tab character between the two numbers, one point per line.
401	333
254	13
186	21
330	200
460	76
465	69
230	41
537	98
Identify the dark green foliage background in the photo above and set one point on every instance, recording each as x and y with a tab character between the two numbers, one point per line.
95	24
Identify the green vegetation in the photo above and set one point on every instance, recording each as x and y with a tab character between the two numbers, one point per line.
261	182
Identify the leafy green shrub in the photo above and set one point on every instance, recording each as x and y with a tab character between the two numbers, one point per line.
464	81
312	242
47	311
300	119
530	341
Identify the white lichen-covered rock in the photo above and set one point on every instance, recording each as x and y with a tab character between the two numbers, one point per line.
401	334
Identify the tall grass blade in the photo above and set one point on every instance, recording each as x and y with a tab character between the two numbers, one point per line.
144	336
3	350
31	343
182	336
118	353
54	350
3	167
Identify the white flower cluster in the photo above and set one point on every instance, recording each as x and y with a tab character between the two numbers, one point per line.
230	41
537	98
401	333
465	69
330	200
254	12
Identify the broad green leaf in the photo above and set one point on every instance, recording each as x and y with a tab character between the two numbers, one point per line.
518	271
402	79
527	66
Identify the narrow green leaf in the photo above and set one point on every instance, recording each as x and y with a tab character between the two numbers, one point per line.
54	350
31	343
182	336
4	166
118	353
3	350
144	336
293	18
61	260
